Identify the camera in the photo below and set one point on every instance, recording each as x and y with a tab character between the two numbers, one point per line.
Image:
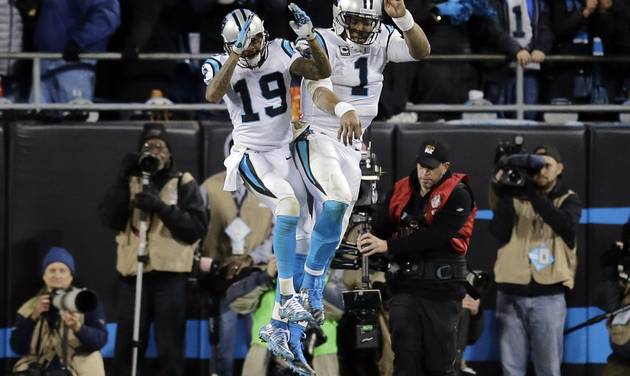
370	176
74	300
148	163
516	164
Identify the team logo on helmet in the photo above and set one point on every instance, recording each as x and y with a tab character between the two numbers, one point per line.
231	27
359	21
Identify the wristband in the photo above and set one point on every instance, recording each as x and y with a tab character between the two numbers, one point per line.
342	107
406	22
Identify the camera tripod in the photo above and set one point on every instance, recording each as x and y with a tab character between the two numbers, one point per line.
142	259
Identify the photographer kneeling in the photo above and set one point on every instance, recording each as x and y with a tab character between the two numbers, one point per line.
427	221
41	327
535	265
613	295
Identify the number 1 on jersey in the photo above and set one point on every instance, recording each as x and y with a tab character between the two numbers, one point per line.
361	65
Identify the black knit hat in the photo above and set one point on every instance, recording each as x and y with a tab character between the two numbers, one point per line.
151	131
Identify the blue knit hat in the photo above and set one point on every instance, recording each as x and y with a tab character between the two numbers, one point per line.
58	254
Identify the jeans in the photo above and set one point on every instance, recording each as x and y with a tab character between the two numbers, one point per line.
531	326
227	339
164	304
505	92
62	82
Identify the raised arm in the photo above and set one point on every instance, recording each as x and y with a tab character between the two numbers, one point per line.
414	36
217	85
317	66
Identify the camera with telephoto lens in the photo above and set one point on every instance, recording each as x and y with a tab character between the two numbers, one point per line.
74	299
148	163
516	164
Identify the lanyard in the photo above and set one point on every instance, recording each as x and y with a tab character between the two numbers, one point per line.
239	199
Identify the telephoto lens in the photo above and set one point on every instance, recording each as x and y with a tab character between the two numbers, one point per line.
148	163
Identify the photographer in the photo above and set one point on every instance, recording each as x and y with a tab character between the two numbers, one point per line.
41	327
177	219
427	221
535	265
613	292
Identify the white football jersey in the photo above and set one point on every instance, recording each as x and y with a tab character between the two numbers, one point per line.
357	77
258	100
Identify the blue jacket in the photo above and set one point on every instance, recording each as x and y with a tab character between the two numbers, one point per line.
89	23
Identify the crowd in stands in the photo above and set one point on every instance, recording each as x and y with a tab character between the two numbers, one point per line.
524	30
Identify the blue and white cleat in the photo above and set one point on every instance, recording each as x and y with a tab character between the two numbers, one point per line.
276	335
299	363
292	309
314	300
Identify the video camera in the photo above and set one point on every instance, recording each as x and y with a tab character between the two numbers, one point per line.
516	165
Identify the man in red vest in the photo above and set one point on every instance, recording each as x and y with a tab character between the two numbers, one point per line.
425	228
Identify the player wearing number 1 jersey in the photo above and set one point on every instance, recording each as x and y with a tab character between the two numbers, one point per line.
358	47
253	77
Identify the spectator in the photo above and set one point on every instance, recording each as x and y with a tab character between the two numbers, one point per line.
177	220
535	266
452	27
40	327
85	27
528	24
576	24
11	29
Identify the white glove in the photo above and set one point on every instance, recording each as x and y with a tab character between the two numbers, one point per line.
302	26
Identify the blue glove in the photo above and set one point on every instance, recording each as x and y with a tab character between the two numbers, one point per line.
483	8
243	40
455	10
302	26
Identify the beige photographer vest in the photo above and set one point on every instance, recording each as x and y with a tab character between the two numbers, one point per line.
620	334
530	231
165	252
50	345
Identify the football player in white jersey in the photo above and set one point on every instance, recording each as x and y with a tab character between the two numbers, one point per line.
358	46
253	77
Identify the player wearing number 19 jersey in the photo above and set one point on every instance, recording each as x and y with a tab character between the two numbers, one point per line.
358	47
253	78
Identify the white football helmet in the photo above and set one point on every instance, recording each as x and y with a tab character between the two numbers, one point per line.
231	27
369	11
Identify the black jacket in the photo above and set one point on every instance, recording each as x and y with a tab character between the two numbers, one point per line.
430	242
187	221
562	220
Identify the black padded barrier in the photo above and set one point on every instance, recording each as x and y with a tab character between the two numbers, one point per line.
609	199
471	150
383	136
214	136
58	174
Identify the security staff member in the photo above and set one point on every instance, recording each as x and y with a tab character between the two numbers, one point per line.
427	223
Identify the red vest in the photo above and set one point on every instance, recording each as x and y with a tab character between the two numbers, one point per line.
438	198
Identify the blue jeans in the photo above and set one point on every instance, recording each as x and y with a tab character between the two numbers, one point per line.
61	81
505	92
227	339
531	326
